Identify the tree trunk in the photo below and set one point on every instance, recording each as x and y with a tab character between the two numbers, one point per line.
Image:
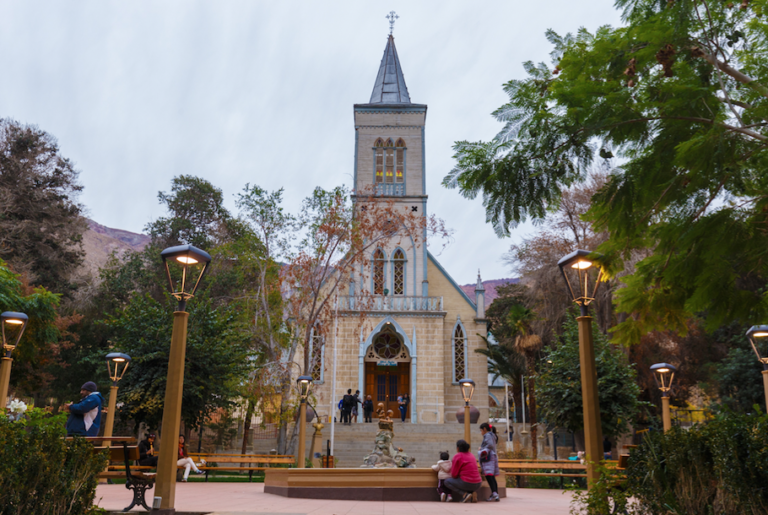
247	426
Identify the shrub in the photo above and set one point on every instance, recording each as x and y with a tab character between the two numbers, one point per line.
40	472
720	467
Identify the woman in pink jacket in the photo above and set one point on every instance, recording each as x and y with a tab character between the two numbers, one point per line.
465	477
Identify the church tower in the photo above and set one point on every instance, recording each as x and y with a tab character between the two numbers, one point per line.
389	161
406	329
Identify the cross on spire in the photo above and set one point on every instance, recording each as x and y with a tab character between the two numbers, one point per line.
391	17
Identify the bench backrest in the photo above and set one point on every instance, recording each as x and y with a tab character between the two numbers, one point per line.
119	454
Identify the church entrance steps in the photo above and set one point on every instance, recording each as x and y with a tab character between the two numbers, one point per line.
421	441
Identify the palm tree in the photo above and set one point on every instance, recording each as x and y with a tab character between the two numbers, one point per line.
528	345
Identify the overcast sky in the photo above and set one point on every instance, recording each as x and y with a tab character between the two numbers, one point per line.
261	92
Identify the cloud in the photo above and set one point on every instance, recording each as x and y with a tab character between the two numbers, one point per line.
262	92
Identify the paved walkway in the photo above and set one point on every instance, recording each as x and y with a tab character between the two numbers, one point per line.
249	498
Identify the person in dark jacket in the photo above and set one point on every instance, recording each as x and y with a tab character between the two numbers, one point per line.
368	409
147	451
85	416
348	401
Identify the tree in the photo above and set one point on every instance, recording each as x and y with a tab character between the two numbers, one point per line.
679	95
197	215
42	340
511	324
216	358
40	224
740	382
559	384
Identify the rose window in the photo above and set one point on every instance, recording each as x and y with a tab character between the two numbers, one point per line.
387	346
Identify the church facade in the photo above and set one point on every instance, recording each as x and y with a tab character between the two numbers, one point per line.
420	335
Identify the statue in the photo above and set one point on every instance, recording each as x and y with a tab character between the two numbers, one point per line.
384	454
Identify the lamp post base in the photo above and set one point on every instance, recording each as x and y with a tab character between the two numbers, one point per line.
665	415
593	431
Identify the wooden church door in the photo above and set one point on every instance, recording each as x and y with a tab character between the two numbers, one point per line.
385	383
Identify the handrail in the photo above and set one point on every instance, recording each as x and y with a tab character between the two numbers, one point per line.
390	303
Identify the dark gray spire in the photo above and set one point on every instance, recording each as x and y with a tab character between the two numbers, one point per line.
389	87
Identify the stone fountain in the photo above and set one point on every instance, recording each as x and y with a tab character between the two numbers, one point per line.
384	454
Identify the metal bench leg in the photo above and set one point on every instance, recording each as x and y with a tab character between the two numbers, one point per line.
250	475
206	476
139	491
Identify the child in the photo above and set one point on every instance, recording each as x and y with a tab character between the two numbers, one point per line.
443	469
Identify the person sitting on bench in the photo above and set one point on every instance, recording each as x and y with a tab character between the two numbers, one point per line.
147	452
185	461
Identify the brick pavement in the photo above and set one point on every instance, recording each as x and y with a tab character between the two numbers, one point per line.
249	498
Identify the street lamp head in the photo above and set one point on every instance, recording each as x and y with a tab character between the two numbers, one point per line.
117	363
664	374
577	267
467	389
12	327
305	386
758	337
190	260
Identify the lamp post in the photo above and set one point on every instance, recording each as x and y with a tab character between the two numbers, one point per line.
12	326
181	263
758	337
305	386
664	374
576	268
467	389
117	363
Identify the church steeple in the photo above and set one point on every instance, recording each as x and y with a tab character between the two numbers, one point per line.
389	87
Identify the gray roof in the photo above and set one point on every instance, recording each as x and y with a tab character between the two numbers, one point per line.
389	87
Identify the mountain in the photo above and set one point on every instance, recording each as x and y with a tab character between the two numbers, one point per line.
100	241
490	288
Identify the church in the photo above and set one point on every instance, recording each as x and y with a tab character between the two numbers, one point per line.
421	335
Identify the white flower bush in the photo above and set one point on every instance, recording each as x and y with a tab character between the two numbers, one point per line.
17	407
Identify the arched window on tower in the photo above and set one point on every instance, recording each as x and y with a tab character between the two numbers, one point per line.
390	164
459	353
378	272
398	272
400	160
379	157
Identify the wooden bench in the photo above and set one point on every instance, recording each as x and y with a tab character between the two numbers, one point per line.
563	468
136	480
245	460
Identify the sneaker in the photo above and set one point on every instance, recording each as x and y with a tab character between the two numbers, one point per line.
495	496
200	472
467	497
449	499
442	497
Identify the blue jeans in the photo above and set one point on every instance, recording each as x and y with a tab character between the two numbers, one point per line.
403	411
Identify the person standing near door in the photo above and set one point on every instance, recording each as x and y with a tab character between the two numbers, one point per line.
403	401
346	407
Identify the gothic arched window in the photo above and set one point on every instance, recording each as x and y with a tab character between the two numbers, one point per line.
459	353
398	272
379	158
378	272
390	164
400	160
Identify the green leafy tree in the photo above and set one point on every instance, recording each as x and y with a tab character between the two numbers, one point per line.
197	215
41	343
215	364
41	227
740	382
679	94
559	384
